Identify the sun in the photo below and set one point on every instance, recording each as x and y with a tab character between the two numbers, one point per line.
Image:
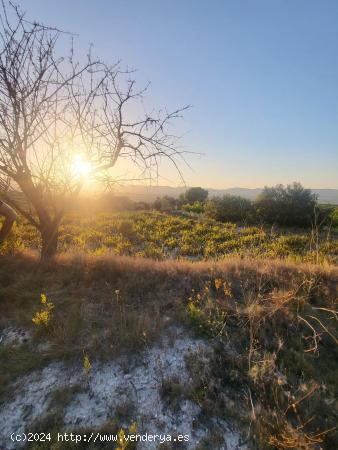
81	166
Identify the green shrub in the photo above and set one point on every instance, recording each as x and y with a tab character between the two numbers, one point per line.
229	208
334	217
291	206
194	194
126	228
165	203
290	245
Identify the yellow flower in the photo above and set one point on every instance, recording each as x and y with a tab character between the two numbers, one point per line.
133	428
122	440
86	365
43	316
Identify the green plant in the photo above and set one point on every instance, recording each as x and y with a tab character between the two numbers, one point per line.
291	205
334	217
194	194
229	208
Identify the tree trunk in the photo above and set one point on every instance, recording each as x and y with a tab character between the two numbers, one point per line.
47	225
49	237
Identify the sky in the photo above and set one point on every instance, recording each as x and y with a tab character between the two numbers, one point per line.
261	76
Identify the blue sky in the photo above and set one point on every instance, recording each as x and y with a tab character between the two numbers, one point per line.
261	75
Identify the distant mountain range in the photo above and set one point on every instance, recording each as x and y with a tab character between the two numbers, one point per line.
149	193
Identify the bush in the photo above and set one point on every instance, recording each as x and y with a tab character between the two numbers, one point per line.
126	228
229	208
325	215
194	194
334	217
165	203
292	205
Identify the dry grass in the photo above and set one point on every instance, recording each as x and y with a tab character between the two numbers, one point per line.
272	326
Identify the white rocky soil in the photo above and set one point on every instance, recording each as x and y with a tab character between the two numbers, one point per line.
136	381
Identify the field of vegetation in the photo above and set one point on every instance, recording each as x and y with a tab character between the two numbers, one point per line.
179	236
263	298
229	305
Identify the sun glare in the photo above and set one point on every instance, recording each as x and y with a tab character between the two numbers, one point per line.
81	166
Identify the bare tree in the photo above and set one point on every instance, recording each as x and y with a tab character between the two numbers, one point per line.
52	108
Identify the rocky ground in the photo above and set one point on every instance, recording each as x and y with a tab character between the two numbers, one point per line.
137	389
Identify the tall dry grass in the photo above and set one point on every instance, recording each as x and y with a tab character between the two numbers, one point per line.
272	326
